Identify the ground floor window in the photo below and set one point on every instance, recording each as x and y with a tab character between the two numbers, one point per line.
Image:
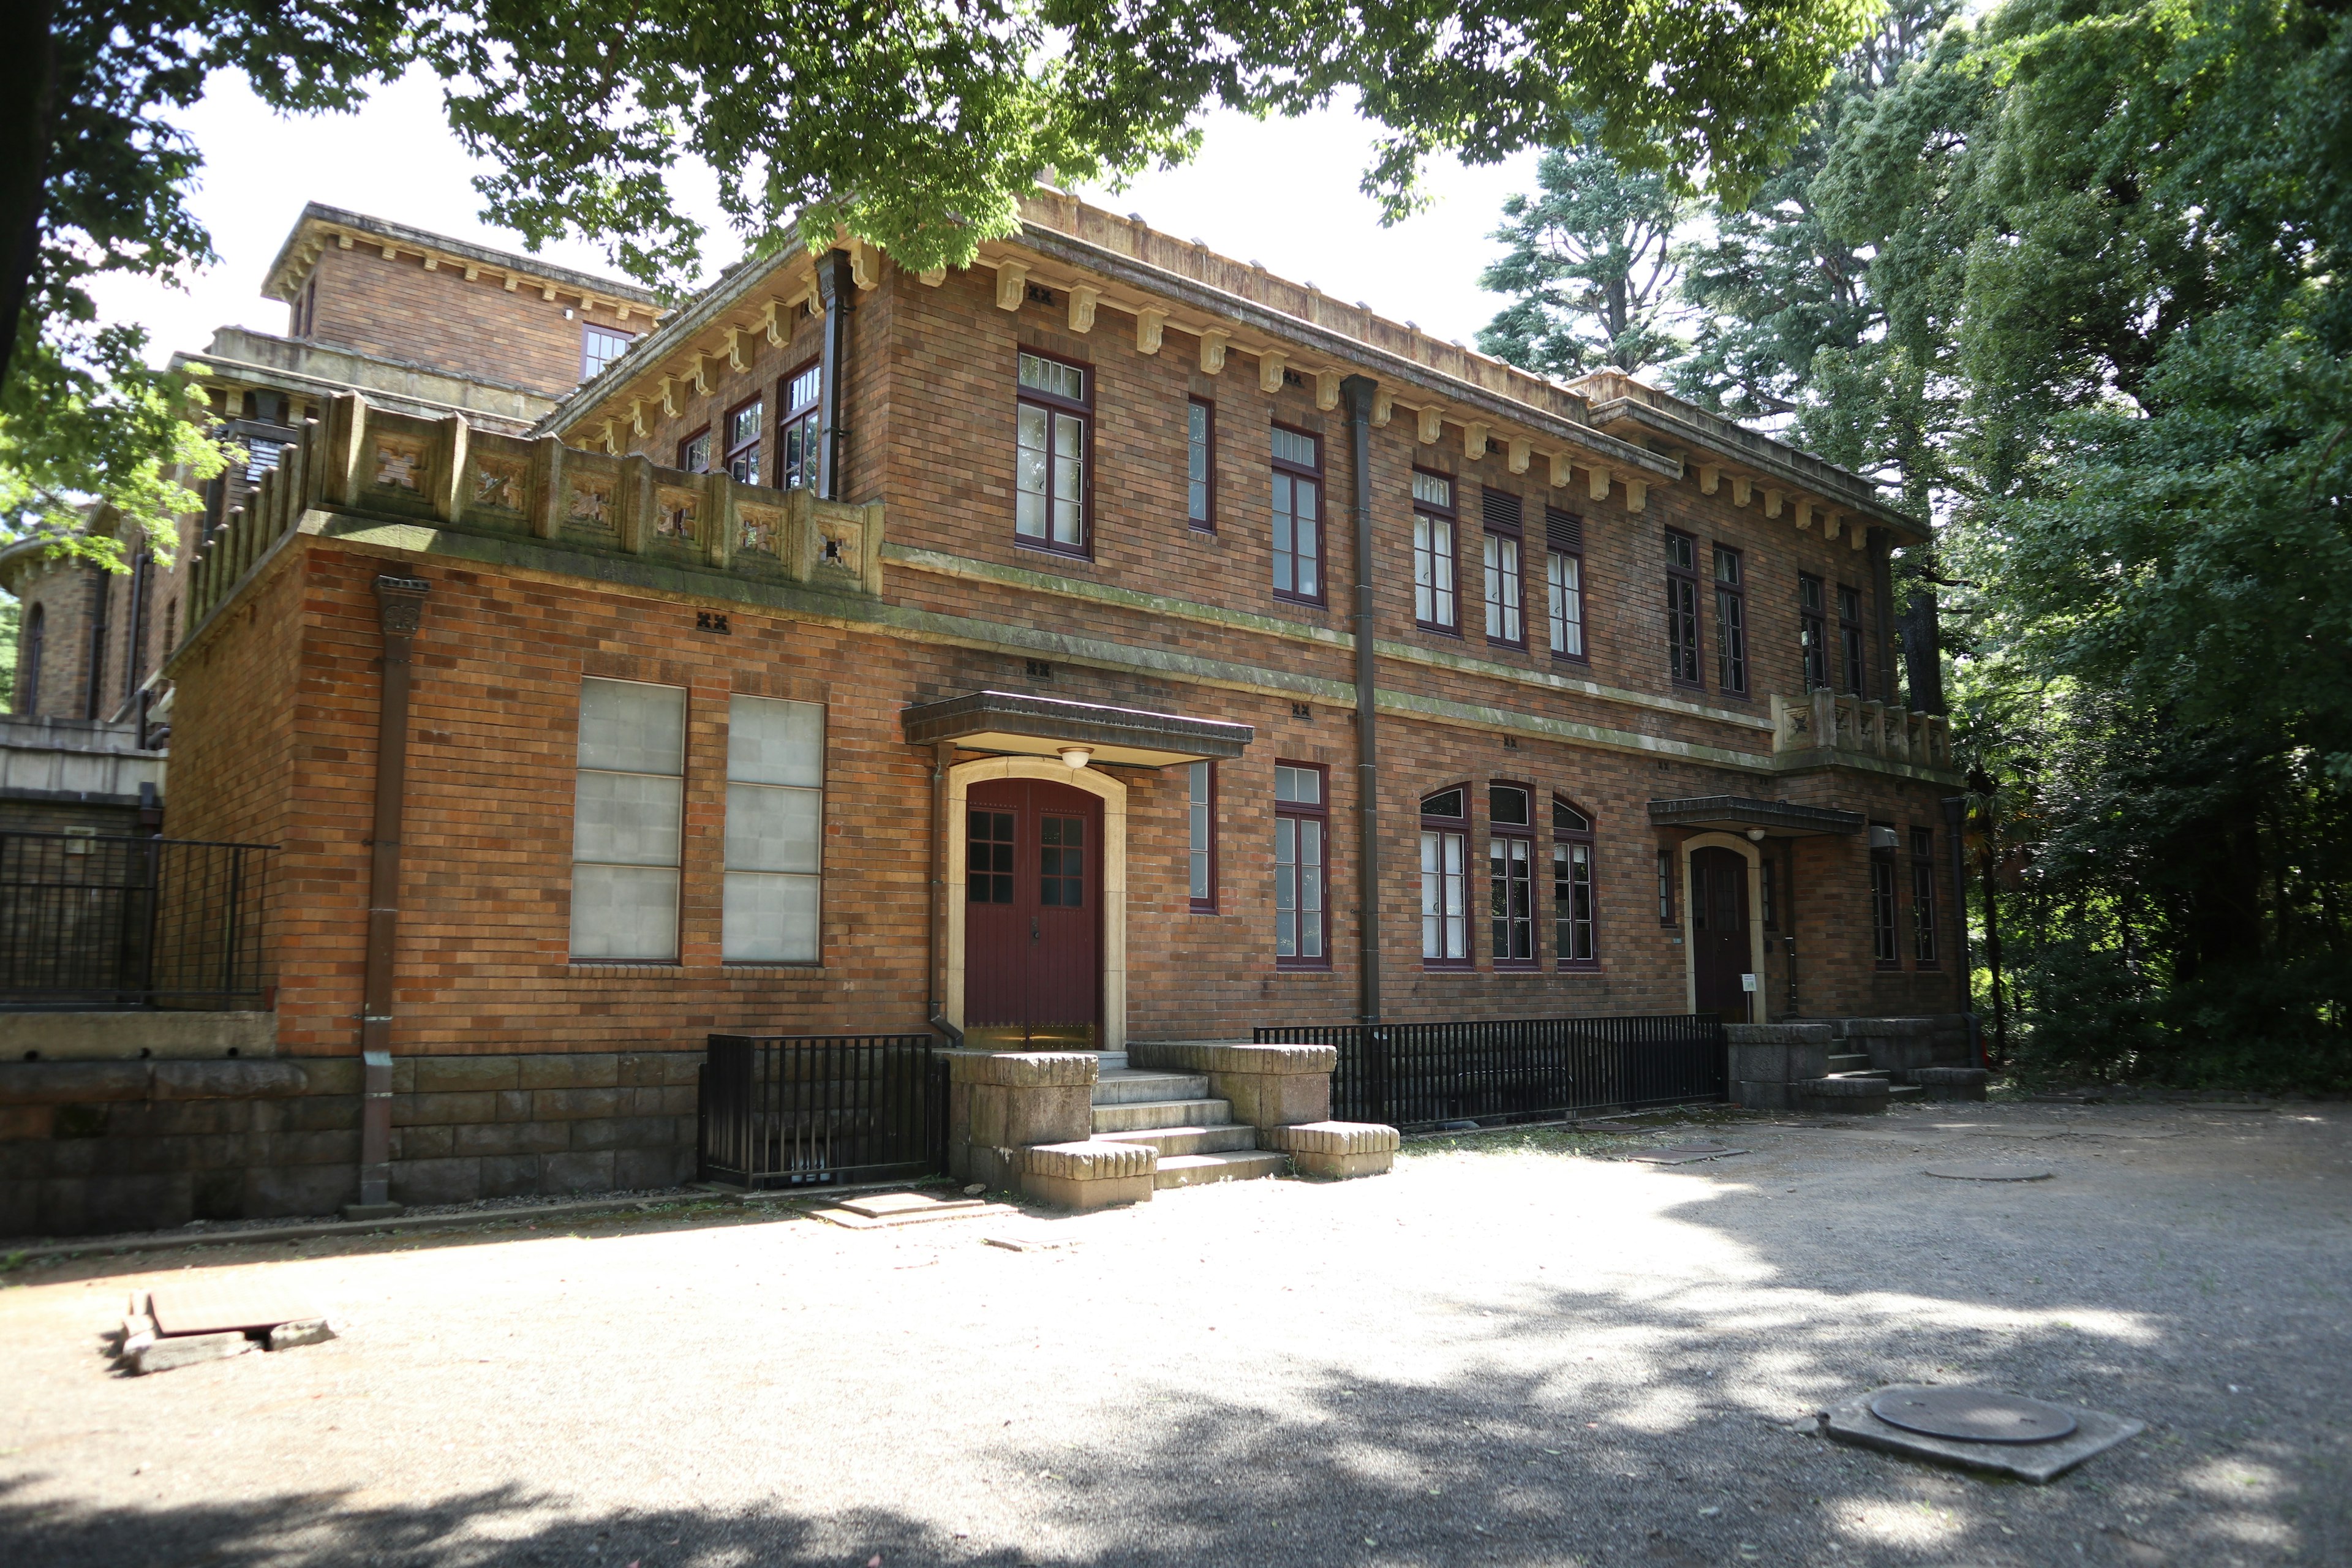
1510	874
1573	938
1301	814
775	831
627	822
1923	895
1882	898
1202	815
1444	910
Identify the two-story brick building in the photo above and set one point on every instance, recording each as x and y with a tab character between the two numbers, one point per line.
1106	642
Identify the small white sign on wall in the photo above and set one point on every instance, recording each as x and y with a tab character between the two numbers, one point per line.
1748	983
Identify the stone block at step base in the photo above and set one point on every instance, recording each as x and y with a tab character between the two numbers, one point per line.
1767	1095
1840	1096
1778	1053
1334	1148
1952	1083
1268	1085
1012	1099
1088	1175
311	1331
186	1350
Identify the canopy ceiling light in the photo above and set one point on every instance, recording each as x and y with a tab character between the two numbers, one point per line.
1076	757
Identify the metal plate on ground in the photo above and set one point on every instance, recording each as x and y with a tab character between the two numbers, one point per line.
1683	1156
850	1219
220	1306
1972	1414
888	1205
1989	1171
2095	1432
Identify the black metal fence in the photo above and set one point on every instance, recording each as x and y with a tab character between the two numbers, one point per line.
787	1111
1521	1069
90	920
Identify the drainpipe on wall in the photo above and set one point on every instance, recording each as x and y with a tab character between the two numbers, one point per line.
1359	390
400	606
1955	818
836	289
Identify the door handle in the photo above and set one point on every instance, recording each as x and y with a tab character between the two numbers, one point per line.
1033	928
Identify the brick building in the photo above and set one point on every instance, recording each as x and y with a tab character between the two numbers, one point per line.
1107	644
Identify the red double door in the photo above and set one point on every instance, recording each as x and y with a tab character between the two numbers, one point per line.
1032	914
1720	956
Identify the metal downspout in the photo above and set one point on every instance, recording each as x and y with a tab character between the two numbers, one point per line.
400	607
836	289
1359	390
1956	821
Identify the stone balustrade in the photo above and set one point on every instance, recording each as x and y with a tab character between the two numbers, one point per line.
1825	721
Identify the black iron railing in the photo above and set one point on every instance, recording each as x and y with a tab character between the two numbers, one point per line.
94	921
1520	1069
784	1111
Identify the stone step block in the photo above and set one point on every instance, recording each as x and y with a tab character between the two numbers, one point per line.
1951	1083
1334	1148
1172	1141
1129	1087
1841	1096
1849	1062
1144	1116
1090	1175
1198	1170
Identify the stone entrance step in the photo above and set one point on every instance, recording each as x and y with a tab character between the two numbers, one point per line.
1192	1132
1145	1115
1128	1086
1198	1170
1172	1141
1849	1062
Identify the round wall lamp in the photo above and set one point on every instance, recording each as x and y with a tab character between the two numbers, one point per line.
1755	835
1076	757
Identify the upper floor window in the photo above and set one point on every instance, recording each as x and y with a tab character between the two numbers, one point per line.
775	831
1504	595
600	346
796	433
1573	918
1200	464
1564	583
1850	637
1051	508
1298	515
1813	628
1444	909
1730	622
1923	895
1433	598
1682	608
306	311
743	428
1302	928
1201	818
1510	873
694	452
627	821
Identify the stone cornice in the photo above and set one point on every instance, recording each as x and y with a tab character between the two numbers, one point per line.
320	226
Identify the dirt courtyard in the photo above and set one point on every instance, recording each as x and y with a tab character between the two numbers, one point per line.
1520	1347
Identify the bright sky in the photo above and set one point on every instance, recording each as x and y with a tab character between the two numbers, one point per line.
1283	193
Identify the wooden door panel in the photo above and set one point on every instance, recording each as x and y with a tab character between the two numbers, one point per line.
1033	954
1718	933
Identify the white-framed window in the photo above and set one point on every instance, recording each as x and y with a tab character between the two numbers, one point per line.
1434	601
1301	814
775	832
628	823
1445	908
1564	586
1503	589
1051	470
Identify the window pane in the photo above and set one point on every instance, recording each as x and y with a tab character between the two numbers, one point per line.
626	726
626	819
1566	818
770	919
1032	472
774	742
804	389
1508	805
1564	577
773	830
1302	785
1196	463
1310	539
1054	378
1434	490
1201	827
624	912
1290	446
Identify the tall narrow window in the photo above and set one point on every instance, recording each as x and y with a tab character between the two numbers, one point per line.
694	453
1200	464
796	433
627	825
600	346
1297	516
1505	595
1445	851
1433	602
1882	942
1682	608
1923	895
1573	938
1730	623
1051	510
1510	875
1202	820
1812	629
1564	583
1768	883
1301	813
775	831
1850	637
1665	887
28	663
744	425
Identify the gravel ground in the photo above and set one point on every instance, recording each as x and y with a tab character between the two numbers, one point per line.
1518	1347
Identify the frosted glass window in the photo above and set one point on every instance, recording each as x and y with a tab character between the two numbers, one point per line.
775	832
627	821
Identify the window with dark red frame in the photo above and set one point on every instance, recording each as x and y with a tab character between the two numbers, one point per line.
1298	515
1849	636
1051	482
1730	622
694	452
1445	878
1665	887
1681	609
796	432
745	424
1510	874
1201	816
1436	604
1923	898
1302	813
1813	628
1564	584
1883	940
1506	589
1200	464
1574	910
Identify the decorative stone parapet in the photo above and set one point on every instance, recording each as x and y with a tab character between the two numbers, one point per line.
1334	1148
1268	1086
1000	1102
1086	1173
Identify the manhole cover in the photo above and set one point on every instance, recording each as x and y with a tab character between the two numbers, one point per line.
1972	1414
1992	1172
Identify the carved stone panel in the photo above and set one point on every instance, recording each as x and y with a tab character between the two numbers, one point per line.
401	464
676	516
501	484
761	531
589	505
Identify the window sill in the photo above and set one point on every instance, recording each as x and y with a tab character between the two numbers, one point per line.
1448	966
1583	660
1301	599
781	965
1928	966
1520	966
1433	629
1585	969
1198	907
1890	966
1059	552
1302	966
1507	645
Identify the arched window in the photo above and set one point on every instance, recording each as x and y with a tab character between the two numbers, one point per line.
1445	851
28	662
1574	938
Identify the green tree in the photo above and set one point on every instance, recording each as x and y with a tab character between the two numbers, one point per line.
1591	266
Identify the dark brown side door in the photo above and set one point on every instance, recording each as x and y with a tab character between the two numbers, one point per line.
1032	914
1718	934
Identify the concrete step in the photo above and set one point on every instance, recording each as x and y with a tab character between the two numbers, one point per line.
1881	1074
1129	1085
1149	1115
1905	1091
1196	1170
1172	1141
1852	1061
